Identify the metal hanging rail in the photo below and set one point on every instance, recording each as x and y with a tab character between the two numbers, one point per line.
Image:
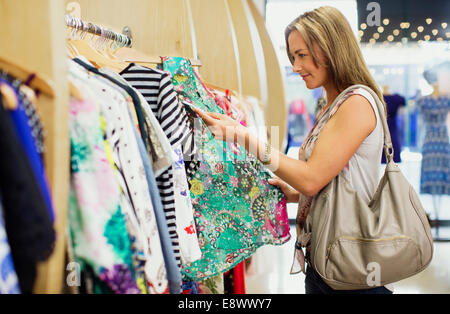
122	40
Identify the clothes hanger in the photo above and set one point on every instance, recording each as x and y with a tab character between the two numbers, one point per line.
9	98
87	50
38	82
75	92
128	54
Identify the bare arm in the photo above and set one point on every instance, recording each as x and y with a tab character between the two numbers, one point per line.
337	143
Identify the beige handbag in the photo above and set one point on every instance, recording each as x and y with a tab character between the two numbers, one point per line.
360	246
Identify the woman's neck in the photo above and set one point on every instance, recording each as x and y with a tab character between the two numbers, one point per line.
331	92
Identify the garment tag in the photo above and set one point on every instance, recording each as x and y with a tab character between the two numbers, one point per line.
9	98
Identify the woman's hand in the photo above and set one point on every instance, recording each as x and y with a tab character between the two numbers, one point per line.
222	127
292	196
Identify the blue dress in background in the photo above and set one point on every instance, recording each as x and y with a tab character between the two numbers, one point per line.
435	171
393	103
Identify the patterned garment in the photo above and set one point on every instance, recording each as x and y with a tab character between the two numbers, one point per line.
435	170
158	91
159	149
97	224
212	285
161	154
236	210
9	284
34	120
86	83
116	104
190	249
116	107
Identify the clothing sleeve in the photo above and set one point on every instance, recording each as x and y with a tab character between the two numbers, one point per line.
172	116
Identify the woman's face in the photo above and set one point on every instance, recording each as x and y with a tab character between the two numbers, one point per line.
314	76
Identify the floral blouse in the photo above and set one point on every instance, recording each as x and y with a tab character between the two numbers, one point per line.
235	209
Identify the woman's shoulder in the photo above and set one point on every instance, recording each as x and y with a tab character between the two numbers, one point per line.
361	92
355	98
357	108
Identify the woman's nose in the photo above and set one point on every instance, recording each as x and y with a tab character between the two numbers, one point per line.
297	67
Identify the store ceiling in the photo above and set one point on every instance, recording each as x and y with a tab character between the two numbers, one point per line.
416	20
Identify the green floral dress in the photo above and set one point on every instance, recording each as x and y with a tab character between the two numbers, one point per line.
236	211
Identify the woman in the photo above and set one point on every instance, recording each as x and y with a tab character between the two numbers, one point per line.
349	139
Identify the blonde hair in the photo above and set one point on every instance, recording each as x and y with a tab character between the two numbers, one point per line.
328	28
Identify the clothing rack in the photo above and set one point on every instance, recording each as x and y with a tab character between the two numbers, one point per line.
43	50
121	40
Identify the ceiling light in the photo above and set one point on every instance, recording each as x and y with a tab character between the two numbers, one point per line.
386	21
396	32
390	38
376	36
427	37
413	34
420	29
434	32
428	20
363	26
444	25
380	29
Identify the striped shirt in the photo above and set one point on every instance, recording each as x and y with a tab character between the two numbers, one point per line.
158	91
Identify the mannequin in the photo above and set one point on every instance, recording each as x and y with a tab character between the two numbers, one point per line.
436	92
435	172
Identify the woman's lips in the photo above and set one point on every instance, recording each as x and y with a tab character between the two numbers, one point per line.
305	76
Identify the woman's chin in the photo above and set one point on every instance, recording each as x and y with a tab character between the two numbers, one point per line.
311	85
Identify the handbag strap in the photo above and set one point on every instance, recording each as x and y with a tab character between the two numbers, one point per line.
388	148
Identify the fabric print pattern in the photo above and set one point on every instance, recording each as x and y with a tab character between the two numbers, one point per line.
235	209
435	167
94	204
190	250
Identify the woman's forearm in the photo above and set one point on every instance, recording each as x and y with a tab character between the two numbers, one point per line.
292	171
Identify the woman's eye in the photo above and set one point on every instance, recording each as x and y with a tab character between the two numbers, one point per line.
301	55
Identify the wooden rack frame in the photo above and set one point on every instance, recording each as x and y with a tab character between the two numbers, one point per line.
213	31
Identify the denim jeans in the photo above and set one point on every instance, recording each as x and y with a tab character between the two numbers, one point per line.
314	284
